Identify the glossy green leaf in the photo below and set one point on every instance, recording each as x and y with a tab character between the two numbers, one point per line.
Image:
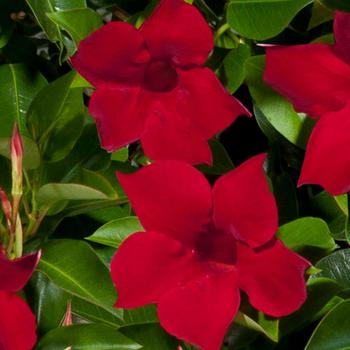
268	327
332	333
306	232
262	19
114	232
151	337
73	266
19	84
56	118
232	71
343	5
54	192
86	337
277	112
335	266
320	292
78	23
31	156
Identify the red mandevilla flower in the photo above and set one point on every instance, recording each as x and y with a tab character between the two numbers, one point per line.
201	246
17	322
151	84
316	78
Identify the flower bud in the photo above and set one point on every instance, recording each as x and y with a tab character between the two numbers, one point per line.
17	161
6	207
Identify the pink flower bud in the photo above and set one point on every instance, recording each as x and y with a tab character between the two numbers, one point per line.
6	206
17	161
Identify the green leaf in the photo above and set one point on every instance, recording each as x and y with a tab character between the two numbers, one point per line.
114	232
336	267
56	118
73	266
19	84
332	333
320	14
337	4
78	23
151	337
306	232
262	19
53	192
86	337
268	327
231	71
320	292
277	112
31	156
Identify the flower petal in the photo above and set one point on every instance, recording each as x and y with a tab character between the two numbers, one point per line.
209	115
119	115
311	76
342	35
14	274
327	159
170	197
165	139
201	311
115	53
147	265
244	204
273	278
178	32
17	323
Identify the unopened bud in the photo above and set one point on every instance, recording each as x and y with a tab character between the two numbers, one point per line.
17	161
68	321
6	207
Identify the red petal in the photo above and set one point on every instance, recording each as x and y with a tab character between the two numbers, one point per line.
311	76
273	278
204	101
178	32
327	159
342	35
147	265
119	115
115	53
201	311
14	274
244	204
17	323
170	197
165	139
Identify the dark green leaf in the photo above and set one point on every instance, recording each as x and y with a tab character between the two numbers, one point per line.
320	14
74	266
86	337
262	19
332	333
19	84
114	232
343	5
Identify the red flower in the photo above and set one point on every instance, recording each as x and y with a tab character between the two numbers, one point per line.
201	246
152	85
316	78
17	322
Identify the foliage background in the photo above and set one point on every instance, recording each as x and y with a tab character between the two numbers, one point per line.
75	210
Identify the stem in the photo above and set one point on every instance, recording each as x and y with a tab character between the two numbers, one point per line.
18	238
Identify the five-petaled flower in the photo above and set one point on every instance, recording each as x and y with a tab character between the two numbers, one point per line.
201	246
17	322
316	78
151	84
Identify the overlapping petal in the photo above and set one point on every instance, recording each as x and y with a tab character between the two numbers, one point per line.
116	53
244	204
201	311
176	31
311	76
17	323
149	264
165	138
273	278
342	35
204	101
170	197
327	159
120	114
14	274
